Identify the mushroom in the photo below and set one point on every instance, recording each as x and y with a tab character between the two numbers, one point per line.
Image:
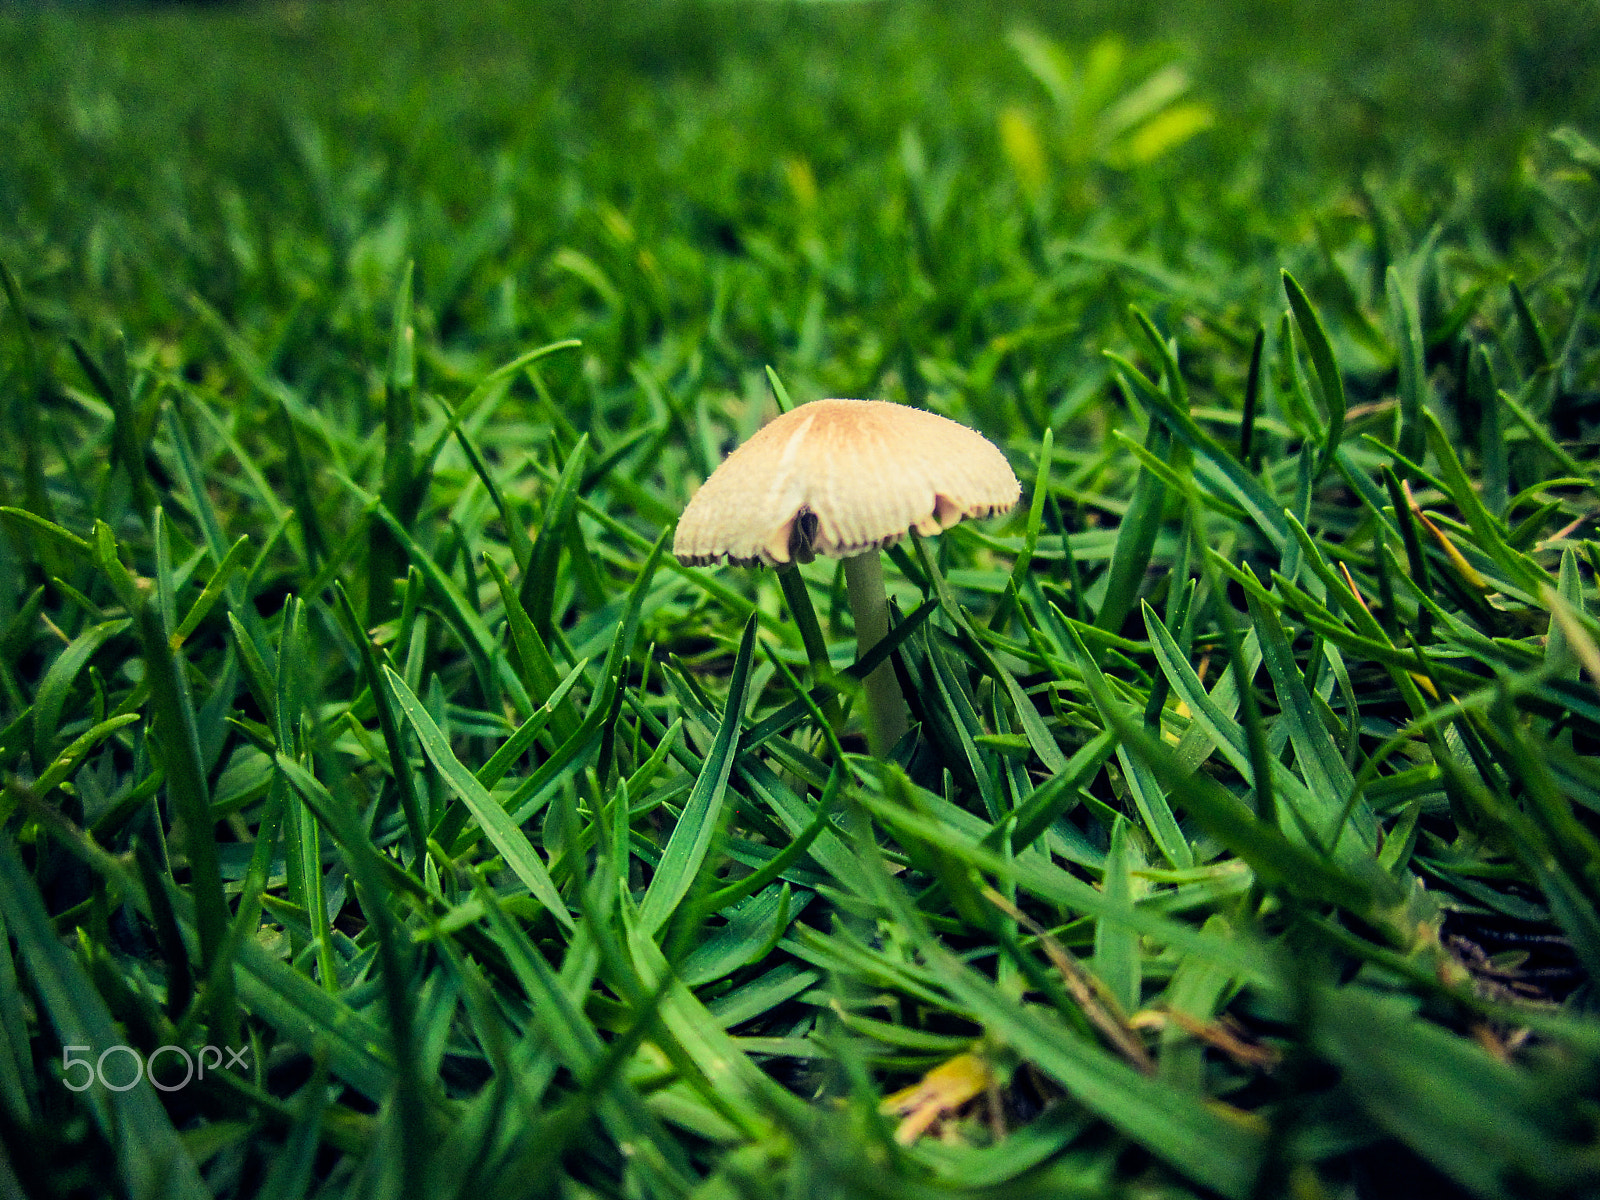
846	478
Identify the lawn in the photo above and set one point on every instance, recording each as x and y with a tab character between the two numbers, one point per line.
386	811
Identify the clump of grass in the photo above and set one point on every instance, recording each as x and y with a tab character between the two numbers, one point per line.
354	722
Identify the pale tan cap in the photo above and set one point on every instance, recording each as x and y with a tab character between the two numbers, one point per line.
840	478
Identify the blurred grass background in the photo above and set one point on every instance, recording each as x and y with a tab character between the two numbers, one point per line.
154	152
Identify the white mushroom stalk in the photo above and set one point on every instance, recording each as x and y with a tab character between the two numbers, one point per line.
844	479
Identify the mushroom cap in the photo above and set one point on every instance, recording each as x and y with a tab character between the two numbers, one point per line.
840	478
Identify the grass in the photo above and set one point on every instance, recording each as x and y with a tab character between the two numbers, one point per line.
354	720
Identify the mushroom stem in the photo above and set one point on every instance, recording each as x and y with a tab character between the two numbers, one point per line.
869	604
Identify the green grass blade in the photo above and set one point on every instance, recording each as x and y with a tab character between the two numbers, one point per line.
780	394
569	758
25	415
114	390
190	798
388	724
538	588
537	669
414	1099
497	825
1328	780
51	698
1136	538
577	1044
67	761
685	853
32	524
290	1175
1535	342
1321	351
1407	327
747	937
1215	468
742	1090
1155	812
1116	947
214	590
492	670
402	489
1486	529
523	737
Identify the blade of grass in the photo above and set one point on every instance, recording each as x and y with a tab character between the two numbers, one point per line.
1328	377
685	853
388	723
497	825
525	734
1116	947
1487	531
1215	467
25	415
191	802
537	669
1407	329
1328	779
538	588
403	485
1039	737
1477	1120
1248	453
1136	537
491	667
413	1098
113	387
1155	812
51	696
